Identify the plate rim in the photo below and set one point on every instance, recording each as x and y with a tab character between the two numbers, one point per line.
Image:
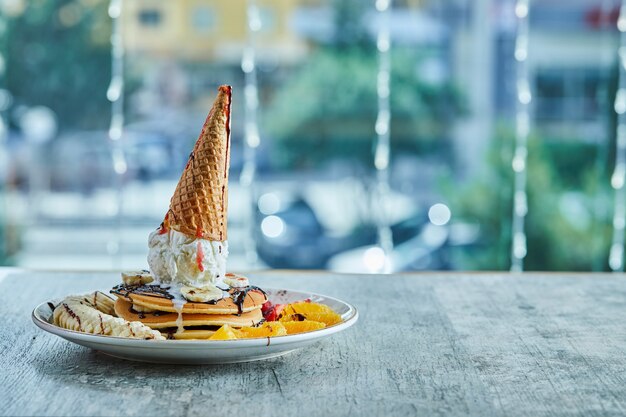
73	335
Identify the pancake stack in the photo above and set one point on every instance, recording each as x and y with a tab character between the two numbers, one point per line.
162	308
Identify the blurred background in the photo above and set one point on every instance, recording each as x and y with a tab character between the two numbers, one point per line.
101	103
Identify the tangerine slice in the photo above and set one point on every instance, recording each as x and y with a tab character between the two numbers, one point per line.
224	333
309	311
327	318
268	329
294	327
304	308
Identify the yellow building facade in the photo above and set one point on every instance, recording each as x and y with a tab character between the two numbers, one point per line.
211	30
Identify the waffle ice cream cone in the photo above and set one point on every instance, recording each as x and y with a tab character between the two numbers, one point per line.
200	202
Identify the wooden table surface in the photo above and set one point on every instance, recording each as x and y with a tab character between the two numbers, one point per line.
427	344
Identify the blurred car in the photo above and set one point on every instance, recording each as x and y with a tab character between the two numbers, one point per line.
83	160
293	237
417	247
290	235
80	161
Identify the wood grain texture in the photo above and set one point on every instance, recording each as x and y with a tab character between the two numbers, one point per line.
427	344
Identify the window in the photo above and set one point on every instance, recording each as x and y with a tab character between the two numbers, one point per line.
203	18
564	94
150	17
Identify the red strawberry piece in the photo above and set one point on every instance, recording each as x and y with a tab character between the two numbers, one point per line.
266	306
270	315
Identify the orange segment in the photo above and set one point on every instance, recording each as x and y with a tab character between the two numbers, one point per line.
310	311
224	333
302	307
294	327
327	318
268	329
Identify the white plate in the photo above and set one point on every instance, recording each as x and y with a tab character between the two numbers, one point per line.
205	351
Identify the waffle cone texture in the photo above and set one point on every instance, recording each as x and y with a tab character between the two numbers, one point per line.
200	202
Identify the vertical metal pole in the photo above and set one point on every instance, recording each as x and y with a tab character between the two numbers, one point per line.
616	254
115	94
382	148
252	138
522	130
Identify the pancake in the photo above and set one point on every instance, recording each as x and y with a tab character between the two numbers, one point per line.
254	299
190	334
164	320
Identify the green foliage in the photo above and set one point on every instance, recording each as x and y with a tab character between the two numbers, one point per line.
329	107
568	221
60	58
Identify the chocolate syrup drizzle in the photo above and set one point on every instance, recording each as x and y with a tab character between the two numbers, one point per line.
139	314
154	290
298	317
238	295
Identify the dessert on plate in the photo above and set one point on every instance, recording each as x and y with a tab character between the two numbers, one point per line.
187	293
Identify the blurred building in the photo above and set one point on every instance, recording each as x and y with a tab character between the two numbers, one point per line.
178	51
211	31
571	58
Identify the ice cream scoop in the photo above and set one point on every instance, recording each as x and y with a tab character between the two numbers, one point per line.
176	257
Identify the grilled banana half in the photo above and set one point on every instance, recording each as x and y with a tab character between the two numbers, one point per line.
93	313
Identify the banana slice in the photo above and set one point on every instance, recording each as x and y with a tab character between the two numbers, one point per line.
236	281
137	277
142	309
93	313
201	294
100	301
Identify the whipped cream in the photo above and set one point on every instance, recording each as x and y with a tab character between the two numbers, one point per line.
184	260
